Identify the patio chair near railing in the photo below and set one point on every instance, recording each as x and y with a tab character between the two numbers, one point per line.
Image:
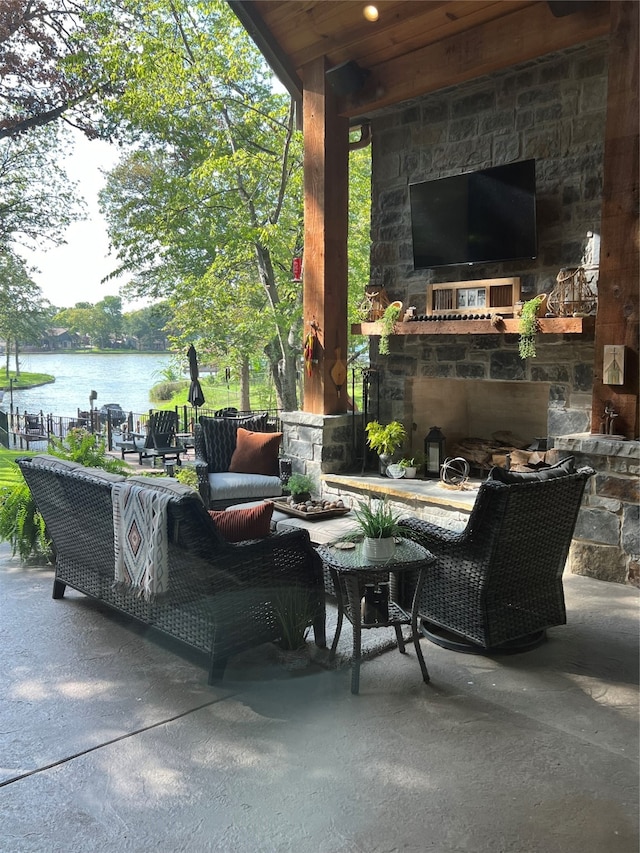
497	585
32	429
160	441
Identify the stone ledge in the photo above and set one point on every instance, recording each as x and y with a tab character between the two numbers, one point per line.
598	445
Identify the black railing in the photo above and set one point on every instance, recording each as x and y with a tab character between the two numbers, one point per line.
38	427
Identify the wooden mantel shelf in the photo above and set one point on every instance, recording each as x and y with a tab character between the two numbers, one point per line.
546	326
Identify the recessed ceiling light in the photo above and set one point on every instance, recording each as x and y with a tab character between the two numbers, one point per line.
370	13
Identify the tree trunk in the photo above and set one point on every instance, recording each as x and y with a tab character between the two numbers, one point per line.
16	354
245	399
282	357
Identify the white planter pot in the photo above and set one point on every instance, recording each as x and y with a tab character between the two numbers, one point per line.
410	473
378	550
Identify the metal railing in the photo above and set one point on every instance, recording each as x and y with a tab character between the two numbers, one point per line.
22	427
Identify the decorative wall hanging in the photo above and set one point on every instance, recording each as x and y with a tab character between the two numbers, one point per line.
311	348
613	365
572	296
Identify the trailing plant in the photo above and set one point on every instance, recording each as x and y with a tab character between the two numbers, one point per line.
292	609
529	327
376	520
385	440
21	524
388	321
90	450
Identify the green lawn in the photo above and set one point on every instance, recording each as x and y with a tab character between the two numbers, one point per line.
10	473
25	380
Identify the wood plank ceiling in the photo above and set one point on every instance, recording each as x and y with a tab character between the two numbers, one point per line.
414	47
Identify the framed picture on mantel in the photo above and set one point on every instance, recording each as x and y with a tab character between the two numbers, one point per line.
496	295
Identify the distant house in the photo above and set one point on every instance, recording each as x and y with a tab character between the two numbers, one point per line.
58	338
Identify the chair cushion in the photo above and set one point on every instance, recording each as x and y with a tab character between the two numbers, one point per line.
236	525
223	485
256	453
220	437
560	469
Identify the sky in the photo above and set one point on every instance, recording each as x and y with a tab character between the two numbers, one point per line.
71	273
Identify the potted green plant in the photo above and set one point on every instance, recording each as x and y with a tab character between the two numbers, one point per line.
378	525
529	326
385	440
294	614
300	487
387	322
410	467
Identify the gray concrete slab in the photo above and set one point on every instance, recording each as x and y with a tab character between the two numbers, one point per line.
112	742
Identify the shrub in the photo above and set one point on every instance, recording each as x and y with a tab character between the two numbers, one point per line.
166	390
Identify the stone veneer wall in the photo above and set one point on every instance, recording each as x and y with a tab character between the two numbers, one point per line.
552	110
319	444
606	542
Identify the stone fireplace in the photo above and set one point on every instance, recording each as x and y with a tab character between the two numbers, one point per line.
465	408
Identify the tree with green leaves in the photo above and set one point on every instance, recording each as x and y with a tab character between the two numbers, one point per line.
46	67
23	311
213	192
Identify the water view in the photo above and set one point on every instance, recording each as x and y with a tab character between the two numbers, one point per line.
124	378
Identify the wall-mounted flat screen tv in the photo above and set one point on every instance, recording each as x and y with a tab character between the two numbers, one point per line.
477	217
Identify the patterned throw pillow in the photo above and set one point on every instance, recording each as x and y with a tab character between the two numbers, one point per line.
256	453
220	437
237	525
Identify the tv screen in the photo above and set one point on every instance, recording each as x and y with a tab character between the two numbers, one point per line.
488	215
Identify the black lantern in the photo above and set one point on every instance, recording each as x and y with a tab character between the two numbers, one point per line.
434	452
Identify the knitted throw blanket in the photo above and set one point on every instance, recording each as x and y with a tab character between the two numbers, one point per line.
140	539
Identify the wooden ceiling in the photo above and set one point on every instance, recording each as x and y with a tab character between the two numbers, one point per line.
414	47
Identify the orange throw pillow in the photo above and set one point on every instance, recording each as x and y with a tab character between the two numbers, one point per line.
256	453
236	525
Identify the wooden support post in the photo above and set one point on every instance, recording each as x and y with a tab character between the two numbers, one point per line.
326	195
617	320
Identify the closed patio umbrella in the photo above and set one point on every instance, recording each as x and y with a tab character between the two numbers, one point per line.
196	397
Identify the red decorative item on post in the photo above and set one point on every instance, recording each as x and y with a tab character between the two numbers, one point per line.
310	348
297	269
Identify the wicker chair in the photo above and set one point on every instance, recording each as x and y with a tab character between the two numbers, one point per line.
215	442
497	585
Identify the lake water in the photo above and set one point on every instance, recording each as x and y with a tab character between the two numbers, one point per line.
124	378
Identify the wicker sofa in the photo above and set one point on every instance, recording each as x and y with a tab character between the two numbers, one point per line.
220	597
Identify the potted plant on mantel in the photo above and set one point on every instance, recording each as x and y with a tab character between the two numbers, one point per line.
378	524
385	440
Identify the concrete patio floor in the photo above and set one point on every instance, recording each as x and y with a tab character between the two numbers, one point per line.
113	742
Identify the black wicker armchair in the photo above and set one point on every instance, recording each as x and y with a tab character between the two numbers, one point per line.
221	597
497	585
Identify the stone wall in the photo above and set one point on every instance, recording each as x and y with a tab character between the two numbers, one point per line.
552	110
319	444
607	538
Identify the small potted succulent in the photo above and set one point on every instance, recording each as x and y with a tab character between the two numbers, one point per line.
300	487
410	467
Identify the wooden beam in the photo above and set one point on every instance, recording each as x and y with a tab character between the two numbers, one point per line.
617	320
508	326
523	35
326	189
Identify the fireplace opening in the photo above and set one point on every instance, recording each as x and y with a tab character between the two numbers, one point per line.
481	416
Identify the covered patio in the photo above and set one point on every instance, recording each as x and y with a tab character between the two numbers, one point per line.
115	742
